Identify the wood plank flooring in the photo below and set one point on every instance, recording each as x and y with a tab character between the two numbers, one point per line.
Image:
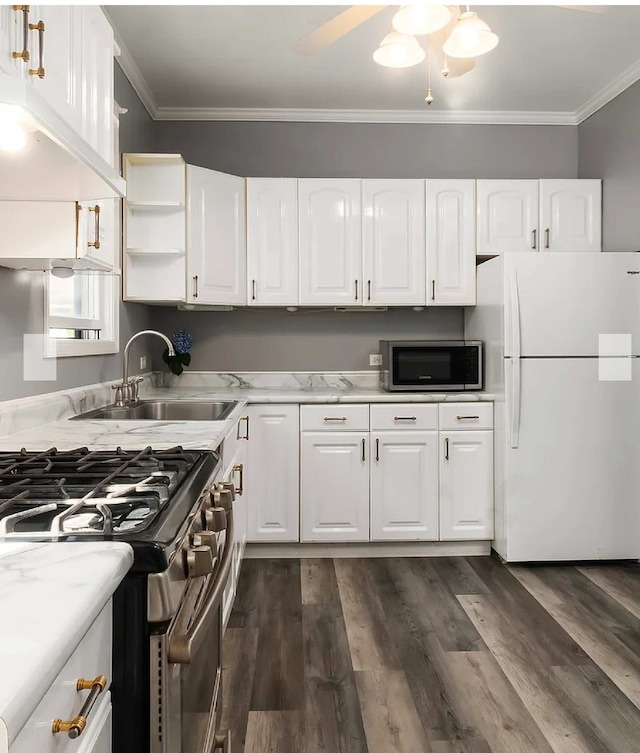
434	655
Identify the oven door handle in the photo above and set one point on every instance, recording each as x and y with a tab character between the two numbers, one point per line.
180	649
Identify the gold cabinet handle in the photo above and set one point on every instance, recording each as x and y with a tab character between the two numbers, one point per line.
462	418
253	290
239	469
368	290
405	418
96	211
433	290
363	455
195	286
356	284
75	727
246	436
24	55
377	450
446	448
546	238
39	71
534	239
335	418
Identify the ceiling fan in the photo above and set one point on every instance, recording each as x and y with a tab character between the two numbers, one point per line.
455	39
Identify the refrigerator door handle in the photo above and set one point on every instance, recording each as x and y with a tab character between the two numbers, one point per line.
515	359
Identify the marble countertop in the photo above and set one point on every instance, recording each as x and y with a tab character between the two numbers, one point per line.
50	594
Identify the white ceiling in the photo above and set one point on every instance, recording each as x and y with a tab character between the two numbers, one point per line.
551	65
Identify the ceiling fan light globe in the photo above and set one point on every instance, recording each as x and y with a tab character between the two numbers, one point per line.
470	38
421	19
399	51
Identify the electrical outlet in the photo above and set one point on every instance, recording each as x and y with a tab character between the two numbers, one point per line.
375	359
143	362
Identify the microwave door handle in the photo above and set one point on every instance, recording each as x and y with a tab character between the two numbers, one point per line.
180	648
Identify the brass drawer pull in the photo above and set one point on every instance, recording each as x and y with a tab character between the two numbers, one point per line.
377	450
75	727
39	71
195	286
364	457
534	239
96	242
405	418
24	54
246	436
547	242
240	469
446	449
462	418
335	418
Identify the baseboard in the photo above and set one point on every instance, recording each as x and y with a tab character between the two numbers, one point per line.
369	549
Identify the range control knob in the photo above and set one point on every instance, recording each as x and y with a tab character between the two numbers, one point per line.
199	561
215	519
206	538
223	498
227	486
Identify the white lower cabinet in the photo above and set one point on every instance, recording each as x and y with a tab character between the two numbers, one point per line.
334	486
466	485
273	473
404	486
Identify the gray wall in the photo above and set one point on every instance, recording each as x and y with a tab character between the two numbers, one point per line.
374	150
22	297
312	341
276	340
609	148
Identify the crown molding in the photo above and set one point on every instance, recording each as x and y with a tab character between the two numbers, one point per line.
475	117
609	92
136	79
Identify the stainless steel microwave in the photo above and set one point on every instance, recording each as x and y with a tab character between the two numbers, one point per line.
430	365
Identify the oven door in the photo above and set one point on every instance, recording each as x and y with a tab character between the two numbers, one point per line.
186	668
441	366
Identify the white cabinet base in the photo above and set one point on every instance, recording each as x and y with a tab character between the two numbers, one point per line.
370	549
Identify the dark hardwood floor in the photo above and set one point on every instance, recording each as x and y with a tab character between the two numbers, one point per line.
433	655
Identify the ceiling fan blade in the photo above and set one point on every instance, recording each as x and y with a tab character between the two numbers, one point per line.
456	66
337	27
598	9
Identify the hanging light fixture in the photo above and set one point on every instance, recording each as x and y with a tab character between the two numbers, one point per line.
470	37
429	98
399	51
421	19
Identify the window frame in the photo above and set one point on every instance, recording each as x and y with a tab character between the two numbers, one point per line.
110	305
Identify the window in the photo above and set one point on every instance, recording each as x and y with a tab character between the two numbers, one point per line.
81	314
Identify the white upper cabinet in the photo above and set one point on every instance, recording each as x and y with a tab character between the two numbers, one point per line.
11	39
330	242
571	215
56	67
507	216
451	243
97	81
272	241
404	486
393	242
216	247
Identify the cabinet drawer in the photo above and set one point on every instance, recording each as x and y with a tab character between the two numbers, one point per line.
403	416
91	658
466	416
334	418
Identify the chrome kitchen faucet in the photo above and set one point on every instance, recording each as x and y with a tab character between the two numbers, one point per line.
127	390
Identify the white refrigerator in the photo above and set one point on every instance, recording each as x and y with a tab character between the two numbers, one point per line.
562	346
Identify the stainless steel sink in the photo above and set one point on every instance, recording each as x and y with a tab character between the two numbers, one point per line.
163	410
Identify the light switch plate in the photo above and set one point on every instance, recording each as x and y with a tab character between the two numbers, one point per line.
143	362
375	359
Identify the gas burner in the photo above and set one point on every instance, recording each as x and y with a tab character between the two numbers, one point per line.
58	494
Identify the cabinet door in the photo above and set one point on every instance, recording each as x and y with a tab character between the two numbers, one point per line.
330	242
451	243
272	241
334	486
11	40
60	84
216	249
273	473
571	215
507	216
97	82
466	485
98	224
393	242
404	486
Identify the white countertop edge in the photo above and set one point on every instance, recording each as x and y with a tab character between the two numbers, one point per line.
23	686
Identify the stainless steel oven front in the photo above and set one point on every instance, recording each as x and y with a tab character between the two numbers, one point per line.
186	666
431	365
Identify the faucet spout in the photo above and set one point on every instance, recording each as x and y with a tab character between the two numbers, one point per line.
128	387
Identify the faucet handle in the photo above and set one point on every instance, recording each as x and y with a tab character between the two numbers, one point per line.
118	388
133	388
